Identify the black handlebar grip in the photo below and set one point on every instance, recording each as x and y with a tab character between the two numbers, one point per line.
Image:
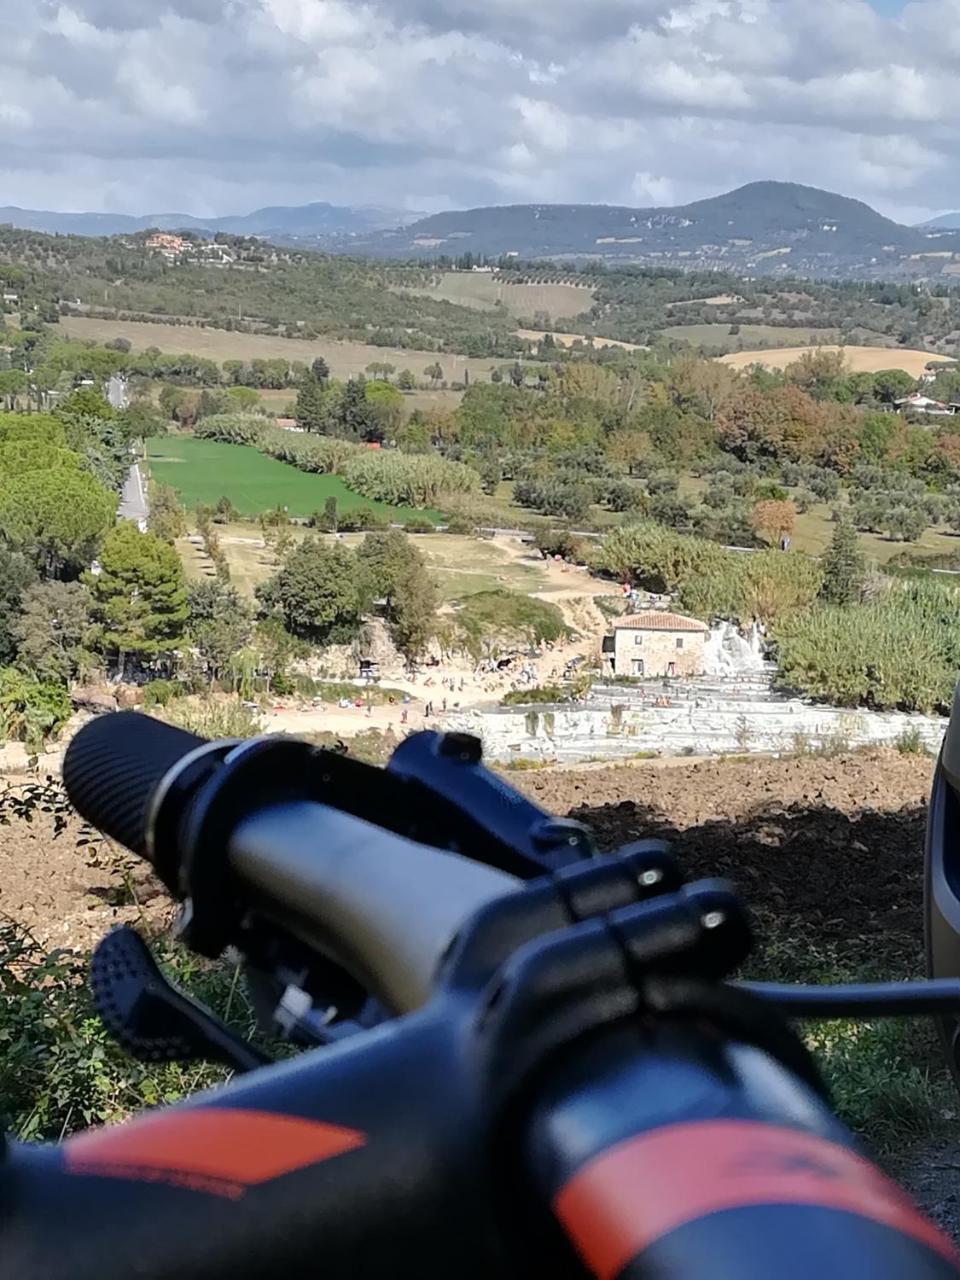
113	766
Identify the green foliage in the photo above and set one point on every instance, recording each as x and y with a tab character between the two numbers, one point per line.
539	694
86	402
844	566
395	570
53	633
139	598
160	693
60	1071
210	717
489	622
400	479
56	517
31	710
910	743
17	573
901	652
220	624
166	517
308	453
311	413
318	592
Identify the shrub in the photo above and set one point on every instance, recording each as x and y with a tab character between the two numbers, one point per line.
31	710
539	694
490	621
405	479
212	717
159	693
899	653
60	1071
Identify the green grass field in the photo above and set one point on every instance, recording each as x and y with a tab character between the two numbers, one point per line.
751	336
202	471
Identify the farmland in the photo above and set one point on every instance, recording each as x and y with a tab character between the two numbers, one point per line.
715	337
859	359
344	358
482	291
203	471
568	339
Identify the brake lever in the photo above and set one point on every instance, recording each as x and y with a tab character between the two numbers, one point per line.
932	997
153	1020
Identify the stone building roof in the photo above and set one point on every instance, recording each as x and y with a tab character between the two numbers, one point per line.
659	622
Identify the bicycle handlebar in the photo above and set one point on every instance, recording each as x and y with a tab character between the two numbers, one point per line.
569	1079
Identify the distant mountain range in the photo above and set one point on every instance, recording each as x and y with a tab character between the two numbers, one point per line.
763	229
309	221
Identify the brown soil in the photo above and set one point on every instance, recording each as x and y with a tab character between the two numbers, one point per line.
828	848
68	896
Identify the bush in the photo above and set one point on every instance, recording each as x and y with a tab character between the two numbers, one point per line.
60	1071
31	710
539	694
490	621
406	479
159	693
212	717
901	652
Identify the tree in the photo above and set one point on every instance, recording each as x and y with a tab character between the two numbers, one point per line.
87	402
311	406
220	624
356	418
330	514
317	592
17	573
387	405
843	566
395	571
56	517
773	519
406	381
166	517
141	420
320	370
434	372
53	632
242	399
139	597
890	385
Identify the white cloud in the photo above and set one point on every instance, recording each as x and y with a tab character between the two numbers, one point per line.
221	105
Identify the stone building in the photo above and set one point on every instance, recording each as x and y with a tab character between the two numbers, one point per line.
653	645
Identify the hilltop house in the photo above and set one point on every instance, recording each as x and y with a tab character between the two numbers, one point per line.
655	645
919	403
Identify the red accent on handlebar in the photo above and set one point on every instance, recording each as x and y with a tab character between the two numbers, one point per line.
220	1150
622	1201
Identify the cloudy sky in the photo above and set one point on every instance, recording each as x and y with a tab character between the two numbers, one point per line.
220	106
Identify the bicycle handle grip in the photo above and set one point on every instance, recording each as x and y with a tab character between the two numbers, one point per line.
114	767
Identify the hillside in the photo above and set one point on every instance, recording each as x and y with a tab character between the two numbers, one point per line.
310	220
946	222
763	228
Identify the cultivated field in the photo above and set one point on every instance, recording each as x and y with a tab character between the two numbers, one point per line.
568	339
750	335
344	358
203	471
859	359
483	292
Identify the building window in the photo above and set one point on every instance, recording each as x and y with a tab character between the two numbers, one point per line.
638	638
680	642
638	666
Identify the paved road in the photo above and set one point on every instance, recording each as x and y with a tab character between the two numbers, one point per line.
133	500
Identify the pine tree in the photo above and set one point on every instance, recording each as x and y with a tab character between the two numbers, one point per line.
843	566
311	414
139	596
